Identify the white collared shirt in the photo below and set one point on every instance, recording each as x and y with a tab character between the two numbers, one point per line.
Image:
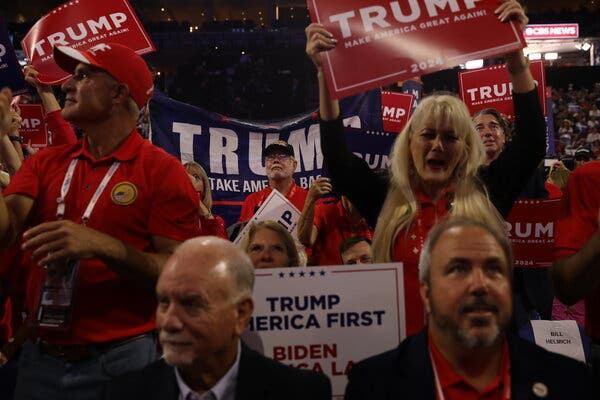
224	389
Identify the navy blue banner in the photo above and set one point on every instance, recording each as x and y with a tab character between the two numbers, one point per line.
231	150
10	70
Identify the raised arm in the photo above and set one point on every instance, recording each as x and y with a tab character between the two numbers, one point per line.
307	231
62	132
508	175
350	175
318	39
516	62
14	209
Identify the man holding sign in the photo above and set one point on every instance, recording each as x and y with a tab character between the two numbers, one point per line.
280	165
465	352
102	244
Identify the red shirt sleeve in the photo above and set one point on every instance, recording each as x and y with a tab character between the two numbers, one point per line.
578	219
175	207
62	131
213	227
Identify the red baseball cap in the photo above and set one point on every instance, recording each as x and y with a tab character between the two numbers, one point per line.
122	63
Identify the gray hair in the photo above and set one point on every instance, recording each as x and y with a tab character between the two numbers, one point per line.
238	264
453	222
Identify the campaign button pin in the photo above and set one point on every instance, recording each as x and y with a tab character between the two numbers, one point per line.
540	390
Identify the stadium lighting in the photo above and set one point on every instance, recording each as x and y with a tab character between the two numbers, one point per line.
551	56
474	64
586	46
534	56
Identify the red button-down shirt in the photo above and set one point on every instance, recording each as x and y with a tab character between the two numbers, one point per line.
407	249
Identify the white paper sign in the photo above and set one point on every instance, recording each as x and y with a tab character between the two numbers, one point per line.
562	337
275	208
327	318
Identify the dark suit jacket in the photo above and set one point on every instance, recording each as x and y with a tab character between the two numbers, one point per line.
406	373
259	378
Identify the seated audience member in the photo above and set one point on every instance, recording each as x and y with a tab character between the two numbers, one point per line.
204	304
356	250
210	224
270	245
324	226
280	165
465	351
575	271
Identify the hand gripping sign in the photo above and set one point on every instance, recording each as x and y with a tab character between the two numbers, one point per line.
82	24
275	208
408	38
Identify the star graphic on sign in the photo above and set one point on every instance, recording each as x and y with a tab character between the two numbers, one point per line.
311	273
292	274
301	274
322	273
282	275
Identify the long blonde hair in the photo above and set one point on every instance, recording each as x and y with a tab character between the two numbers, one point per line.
470	197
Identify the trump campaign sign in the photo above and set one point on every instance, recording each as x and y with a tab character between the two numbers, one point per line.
396	109
327	319
33	127
82	24
380	41
530	228
490	87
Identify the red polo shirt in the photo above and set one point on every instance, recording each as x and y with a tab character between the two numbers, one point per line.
455	387
578	221
407	249
334	227
296	196
138	203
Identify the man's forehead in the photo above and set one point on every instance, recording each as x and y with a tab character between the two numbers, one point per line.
467	242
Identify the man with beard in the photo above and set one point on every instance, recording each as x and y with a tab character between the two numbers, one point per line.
204	304
465	353
280	165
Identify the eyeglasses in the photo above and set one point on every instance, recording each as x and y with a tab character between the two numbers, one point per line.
280	157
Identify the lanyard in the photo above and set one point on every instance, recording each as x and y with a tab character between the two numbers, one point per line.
440	392
60	209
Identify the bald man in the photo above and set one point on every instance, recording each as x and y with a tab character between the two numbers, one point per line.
204	304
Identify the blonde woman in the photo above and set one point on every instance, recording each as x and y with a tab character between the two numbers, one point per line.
210	224
270	245
436	165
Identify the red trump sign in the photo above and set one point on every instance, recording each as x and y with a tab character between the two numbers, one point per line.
395	110
491	88
33	128
386	41
82	24
530	226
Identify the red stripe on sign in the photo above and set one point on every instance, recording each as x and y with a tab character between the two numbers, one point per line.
227	203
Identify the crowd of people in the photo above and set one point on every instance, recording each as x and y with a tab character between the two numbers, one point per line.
119	281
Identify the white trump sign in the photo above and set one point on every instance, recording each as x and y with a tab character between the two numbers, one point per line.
327	319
